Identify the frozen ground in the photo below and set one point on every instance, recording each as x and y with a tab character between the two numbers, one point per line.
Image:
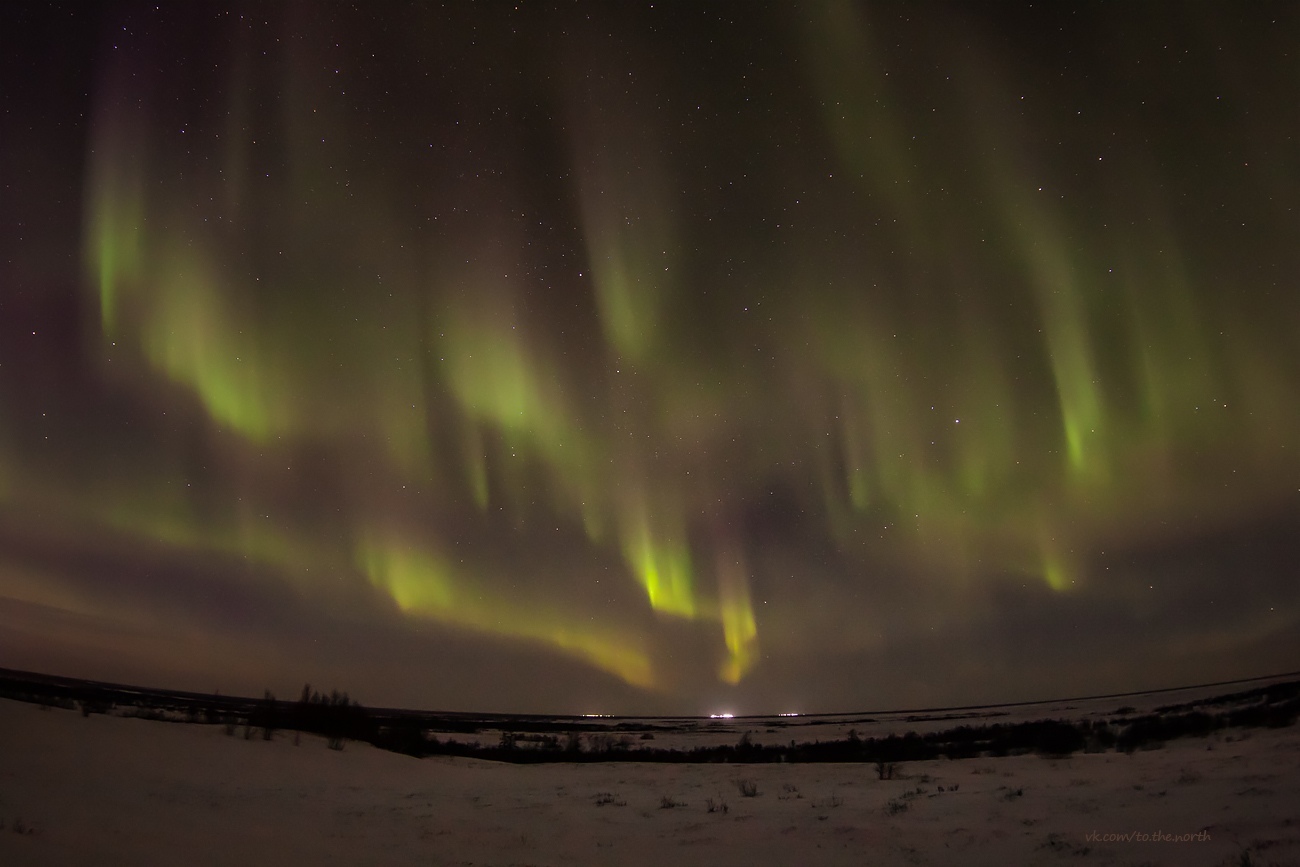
107	790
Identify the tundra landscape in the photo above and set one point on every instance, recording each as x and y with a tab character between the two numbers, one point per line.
1186	777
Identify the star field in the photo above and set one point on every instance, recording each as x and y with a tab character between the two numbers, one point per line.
656	358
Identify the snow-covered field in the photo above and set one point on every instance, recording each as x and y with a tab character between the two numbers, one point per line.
108	790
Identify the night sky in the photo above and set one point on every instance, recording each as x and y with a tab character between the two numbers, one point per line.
650	357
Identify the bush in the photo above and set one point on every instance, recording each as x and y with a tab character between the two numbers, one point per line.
1055	738
268	715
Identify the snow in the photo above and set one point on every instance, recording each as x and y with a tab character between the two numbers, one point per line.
80	790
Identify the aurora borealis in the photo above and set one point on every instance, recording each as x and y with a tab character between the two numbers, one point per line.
637	357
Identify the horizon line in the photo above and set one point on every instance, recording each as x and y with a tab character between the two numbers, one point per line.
35	675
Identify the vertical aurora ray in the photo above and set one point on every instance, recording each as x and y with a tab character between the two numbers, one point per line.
663	566
502	383
1069	349
1055	572
115	215
849	71
115	233
739	629
632	242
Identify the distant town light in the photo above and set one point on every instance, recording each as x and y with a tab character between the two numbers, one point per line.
721	716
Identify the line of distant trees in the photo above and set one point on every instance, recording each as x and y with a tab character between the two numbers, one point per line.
338	718
333	716
1277	706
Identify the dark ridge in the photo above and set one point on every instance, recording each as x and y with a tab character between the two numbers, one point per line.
35	683
535	738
